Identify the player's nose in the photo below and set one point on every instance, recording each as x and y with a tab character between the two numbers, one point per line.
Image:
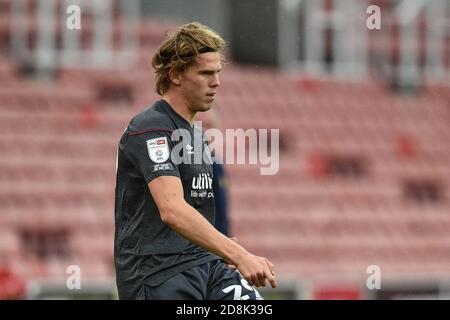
215	81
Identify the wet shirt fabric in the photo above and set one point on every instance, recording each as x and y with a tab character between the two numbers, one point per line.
158	142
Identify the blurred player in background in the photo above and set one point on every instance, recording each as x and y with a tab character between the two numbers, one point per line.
210	120
166	246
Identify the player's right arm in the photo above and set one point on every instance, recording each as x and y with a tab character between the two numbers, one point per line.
167	191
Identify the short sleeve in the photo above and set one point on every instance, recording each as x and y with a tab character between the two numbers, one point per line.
150	152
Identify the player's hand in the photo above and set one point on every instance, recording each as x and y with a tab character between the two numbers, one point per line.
257	270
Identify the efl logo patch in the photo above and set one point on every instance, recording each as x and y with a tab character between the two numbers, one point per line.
158	149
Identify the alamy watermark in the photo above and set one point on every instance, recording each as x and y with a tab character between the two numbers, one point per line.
374	20
73	21
374	278
73	281
234	146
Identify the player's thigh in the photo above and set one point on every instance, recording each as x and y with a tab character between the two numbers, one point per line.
176	288
228	284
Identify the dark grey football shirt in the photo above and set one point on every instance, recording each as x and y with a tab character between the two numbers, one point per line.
146	250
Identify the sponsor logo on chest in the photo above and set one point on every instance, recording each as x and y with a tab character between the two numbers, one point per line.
202	181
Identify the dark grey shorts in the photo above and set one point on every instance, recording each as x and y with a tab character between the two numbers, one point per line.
209	281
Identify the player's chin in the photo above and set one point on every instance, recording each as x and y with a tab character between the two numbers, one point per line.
206	106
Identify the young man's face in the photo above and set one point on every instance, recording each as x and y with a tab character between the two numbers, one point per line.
200	82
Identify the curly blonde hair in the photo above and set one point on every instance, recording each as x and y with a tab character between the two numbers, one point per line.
178	51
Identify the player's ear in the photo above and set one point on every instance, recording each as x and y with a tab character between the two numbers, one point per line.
174	77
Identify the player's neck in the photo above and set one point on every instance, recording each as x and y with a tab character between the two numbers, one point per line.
180	107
